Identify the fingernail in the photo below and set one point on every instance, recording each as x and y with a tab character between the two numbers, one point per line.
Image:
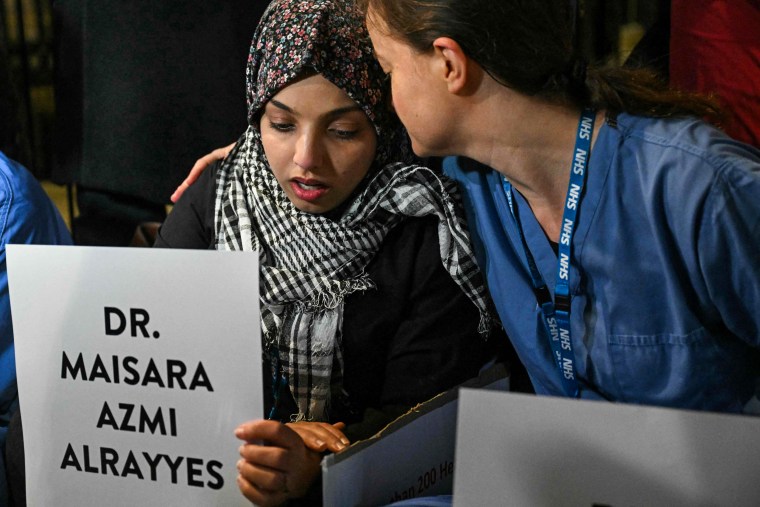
239	464
239	432
319	442
340	446
345	441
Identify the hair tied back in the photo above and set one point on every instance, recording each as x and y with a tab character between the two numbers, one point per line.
578	72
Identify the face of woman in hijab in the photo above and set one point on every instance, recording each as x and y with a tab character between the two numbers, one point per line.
319	143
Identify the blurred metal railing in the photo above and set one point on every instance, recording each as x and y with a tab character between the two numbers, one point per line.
26	35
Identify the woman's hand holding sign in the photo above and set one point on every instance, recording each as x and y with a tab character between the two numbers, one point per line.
287	462
321	437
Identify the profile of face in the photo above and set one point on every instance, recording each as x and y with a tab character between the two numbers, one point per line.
418	97
318	141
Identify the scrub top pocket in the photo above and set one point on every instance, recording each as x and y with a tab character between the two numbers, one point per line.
690	370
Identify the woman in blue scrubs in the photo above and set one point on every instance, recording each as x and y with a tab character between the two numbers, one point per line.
619	232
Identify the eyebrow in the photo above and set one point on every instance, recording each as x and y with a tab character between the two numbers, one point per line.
330	114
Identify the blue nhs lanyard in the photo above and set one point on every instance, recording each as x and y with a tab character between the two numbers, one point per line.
557	313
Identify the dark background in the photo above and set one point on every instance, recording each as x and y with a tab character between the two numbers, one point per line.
117	99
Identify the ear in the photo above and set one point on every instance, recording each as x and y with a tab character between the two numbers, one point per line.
454	63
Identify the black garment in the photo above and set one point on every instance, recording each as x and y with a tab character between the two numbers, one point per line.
162	81
409	339
14	462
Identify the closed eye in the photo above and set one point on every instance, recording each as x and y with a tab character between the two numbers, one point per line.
343	134
282	127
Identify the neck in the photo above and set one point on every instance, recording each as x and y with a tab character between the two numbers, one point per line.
532	144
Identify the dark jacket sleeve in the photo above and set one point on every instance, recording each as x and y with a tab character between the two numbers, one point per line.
191	222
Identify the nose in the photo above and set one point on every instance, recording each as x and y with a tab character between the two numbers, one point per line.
309	152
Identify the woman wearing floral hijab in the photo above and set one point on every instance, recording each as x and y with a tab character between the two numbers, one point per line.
371	300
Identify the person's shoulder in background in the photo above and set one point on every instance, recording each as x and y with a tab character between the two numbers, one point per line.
27	215
190	224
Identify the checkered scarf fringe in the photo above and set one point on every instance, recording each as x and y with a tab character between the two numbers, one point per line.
309	264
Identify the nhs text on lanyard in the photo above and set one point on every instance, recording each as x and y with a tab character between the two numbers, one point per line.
557	313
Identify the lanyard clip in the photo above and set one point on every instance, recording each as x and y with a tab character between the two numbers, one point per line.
542	295
562	303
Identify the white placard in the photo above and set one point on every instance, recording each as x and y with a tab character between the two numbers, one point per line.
521	450
134	368
412	457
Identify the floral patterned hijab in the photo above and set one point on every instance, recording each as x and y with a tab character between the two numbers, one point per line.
310	263
326	37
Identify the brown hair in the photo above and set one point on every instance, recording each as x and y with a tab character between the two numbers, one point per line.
529	47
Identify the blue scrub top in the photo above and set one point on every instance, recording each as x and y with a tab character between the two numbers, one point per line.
27	216
665	269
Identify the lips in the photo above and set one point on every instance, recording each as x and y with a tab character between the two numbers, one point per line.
308	190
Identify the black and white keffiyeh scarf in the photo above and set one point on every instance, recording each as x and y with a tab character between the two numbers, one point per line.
310	263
